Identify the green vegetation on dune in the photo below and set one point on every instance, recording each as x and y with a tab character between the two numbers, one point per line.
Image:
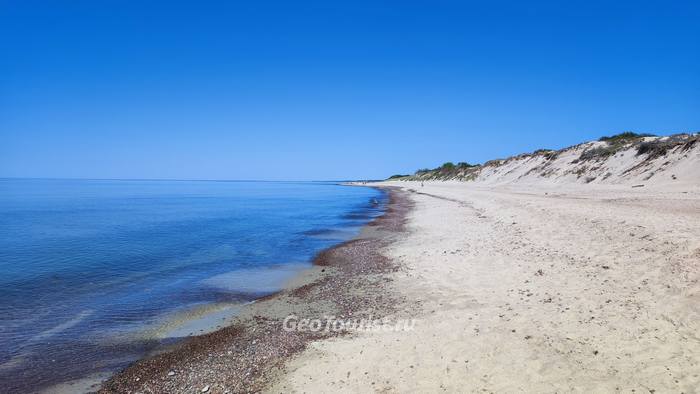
448	170
627	136
660	147
604	148
614	144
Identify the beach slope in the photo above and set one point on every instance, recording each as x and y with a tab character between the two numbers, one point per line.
586	288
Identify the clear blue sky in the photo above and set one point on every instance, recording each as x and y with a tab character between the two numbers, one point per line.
331	90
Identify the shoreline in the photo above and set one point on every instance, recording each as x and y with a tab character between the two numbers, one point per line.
90	298
248	354
531	290
513	289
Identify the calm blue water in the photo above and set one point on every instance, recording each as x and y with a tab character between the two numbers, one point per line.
82	262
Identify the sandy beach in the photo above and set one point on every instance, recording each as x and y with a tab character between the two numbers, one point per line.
529	290
513	289
350	197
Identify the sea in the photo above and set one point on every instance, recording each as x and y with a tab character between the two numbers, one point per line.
95	274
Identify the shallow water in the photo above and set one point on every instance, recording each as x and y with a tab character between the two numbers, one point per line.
87	265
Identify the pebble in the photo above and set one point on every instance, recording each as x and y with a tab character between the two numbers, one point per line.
205	363
171	373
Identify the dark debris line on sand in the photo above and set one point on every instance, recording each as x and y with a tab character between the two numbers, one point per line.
247	355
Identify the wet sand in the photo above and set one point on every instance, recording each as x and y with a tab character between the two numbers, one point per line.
349	280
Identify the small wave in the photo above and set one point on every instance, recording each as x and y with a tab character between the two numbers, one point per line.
62	327
332	233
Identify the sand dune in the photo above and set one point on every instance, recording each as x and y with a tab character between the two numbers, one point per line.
618	160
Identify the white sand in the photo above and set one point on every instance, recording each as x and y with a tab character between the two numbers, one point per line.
616	306
626	167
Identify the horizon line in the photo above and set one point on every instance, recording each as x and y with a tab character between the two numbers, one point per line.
175	179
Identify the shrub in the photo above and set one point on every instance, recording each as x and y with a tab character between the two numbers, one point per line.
614	144
658	148
548	154
624	137
597	153
653	148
